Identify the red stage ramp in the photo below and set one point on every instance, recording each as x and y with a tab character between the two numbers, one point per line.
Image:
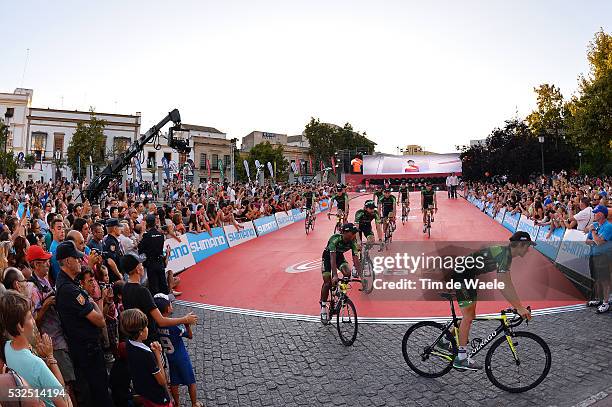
279	274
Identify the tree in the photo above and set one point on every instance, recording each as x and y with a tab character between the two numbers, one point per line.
589	119
326	139
266	152
547	118
88	140
8	164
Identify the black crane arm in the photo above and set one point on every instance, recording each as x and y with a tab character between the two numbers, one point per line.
113	169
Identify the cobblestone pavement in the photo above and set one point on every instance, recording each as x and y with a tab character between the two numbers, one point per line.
254	361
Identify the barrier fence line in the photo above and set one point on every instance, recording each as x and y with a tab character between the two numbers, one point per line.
192	248
565	247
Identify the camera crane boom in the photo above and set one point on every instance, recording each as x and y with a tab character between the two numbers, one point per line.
113	170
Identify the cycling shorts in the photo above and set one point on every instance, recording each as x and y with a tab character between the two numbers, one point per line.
366	230
386	212
326	263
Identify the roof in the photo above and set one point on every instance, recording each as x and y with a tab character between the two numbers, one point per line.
200	128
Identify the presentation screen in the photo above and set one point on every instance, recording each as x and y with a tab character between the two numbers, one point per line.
411	164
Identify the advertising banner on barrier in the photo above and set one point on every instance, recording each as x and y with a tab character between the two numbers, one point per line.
180	255
236	237
283	219
203	245
499	216
298	214
489	210
265	225
527	225
549	246
574	252
511	221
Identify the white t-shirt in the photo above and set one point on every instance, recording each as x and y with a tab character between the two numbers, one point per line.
584	218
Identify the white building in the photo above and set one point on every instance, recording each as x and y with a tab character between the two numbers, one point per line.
46	133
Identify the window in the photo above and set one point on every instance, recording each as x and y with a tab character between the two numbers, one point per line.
168	156
215	161
202	161
58	142
182	159
151	159
39	141
226	161
120	144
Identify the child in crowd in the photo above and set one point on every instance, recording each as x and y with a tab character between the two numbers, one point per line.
145	363
181	370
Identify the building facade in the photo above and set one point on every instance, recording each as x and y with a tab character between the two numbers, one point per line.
295	148
414	149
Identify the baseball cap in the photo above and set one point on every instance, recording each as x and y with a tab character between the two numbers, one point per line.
36	252
67	249
601	209
522	237
129	262
349	227
603	193
112	222
162	301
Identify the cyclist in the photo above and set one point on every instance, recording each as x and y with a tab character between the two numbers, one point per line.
388	204
428	199
342	201
364	218
378	194
403	195
310	197
333	260
494	258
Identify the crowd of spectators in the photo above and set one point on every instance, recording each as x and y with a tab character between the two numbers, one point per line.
85	296
561	201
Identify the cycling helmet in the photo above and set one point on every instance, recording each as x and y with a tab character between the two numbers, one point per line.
349	227
369	204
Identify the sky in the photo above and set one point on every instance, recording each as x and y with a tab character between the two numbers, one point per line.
433	73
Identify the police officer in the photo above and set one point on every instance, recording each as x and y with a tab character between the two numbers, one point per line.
112	250
82	320
152	246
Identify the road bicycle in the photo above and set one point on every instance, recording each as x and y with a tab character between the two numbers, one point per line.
368	275
346	315
309	222
405	212
389	227
428	220
339	217
516	362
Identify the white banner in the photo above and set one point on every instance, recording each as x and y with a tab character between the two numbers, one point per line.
499	216
283	219
527	225
180	254
411	164
574	252
236	237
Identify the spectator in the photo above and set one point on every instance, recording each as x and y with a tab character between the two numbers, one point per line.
600	239
40	371
82	319
58	233
145	362
97	235
584	218
181	370
135	295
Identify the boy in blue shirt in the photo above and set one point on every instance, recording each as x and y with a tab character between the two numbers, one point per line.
171	338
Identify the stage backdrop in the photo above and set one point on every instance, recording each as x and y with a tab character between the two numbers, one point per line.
411	164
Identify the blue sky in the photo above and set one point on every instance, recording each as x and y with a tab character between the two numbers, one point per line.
431	73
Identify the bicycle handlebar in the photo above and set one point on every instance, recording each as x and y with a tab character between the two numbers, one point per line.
517	319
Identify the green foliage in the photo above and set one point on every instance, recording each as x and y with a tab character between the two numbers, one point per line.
326	139
8	164
30	161
266	152
547	119
88	140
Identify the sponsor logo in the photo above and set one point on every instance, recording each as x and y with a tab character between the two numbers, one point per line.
240	235
303	266
179	251
266	227
205	244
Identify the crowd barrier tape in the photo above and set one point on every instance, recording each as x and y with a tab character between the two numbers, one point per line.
180	254
511	221
203	245
549	247
527	225
574	252
236	237
265	225
499	216
283	219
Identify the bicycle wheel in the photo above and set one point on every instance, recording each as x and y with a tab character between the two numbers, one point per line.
346	322
516	373
307	225
424	356
367	276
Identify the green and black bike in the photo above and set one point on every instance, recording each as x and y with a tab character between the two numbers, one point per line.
344	309
516	362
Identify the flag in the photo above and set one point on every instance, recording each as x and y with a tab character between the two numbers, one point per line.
298	165
275	167
333	164
270	169
322	166
220	163
166	165
246	168
310	161
138	168
208	166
